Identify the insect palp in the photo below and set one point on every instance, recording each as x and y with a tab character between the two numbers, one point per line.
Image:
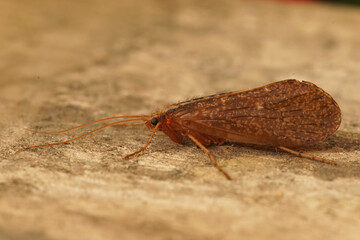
154	121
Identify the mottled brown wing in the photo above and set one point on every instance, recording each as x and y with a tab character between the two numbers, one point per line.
286	113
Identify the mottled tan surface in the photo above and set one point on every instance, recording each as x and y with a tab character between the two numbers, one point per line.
68	62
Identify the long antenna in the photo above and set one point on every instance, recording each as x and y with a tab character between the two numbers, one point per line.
81	136
135	117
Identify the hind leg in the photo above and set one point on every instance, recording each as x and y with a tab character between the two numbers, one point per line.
307	156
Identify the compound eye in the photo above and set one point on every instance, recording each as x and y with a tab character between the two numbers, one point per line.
154	121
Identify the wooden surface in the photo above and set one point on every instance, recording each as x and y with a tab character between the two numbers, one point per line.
65	63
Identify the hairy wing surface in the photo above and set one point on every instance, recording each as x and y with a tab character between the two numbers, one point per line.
287	113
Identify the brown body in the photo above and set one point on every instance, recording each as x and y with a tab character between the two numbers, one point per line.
288	113
283	114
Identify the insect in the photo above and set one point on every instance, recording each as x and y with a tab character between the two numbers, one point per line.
284	115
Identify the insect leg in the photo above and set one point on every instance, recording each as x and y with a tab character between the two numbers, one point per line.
210	155
307	156
147	144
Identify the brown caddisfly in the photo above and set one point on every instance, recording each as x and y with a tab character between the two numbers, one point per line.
284	115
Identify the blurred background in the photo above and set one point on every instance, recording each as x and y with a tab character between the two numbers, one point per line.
63	63
354	2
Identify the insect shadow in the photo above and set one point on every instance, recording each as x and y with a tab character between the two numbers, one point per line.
349	141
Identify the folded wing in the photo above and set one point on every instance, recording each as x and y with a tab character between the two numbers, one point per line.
286	113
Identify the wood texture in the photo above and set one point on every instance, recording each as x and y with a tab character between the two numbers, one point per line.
68	62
